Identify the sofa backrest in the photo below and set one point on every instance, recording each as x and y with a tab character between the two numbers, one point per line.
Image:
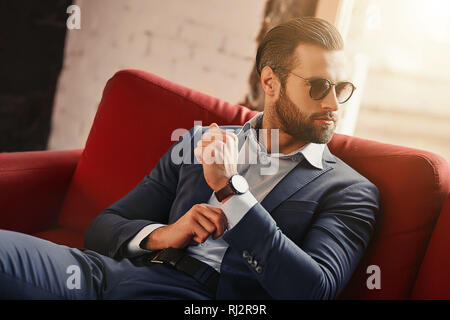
132	130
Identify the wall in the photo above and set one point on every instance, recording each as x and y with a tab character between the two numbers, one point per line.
32	37
206	45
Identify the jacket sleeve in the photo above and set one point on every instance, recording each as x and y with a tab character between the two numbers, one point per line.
149	202
325	260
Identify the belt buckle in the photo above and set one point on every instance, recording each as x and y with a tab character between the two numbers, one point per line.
155	259
167	256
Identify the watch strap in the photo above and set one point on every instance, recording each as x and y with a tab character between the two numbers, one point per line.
224	192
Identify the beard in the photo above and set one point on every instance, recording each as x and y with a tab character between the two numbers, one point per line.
300	125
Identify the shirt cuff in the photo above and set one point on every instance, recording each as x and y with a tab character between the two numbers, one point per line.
133	246
237	206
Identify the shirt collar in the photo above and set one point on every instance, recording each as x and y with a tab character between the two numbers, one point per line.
312	152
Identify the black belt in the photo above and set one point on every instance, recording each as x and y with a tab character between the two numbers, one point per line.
178	259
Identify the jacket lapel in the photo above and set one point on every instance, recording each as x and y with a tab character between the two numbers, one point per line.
296	179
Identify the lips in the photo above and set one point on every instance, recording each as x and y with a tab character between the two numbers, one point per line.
326	120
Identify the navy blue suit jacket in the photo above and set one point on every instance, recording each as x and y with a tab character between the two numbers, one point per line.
308	234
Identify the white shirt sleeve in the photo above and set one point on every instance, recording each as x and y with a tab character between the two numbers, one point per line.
133	246
237	206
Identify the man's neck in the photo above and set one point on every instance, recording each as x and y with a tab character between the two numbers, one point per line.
287	143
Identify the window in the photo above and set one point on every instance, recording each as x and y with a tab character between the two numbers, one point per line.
403	47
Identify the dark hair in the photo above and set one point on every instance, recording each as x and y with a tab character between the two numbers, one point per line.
278	45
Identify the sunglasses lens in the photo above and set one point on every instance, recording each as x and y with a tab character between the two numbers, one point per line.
344	91
319	88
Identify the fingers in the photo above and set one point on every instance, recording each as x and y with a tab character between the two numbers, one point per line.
200	222
206	220
218	135
207	224
200	233
213	208
215	133
215	144
212	219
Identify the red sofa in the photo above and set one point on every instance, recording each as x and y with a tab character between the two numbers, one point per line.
56	194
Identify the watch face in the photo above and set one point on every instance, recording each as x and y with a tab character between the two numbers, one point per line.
239	183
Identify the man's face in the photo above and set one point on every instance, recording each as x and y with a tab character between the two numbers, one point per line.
297	113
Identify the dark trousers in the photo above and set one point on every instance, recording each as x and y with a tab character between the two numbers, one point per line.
32	268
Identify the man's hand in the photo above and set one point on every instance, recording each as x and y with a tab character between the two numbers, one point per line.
217	151
194	227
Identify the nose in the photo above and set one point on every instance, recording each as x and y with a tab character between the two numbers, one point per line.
330	102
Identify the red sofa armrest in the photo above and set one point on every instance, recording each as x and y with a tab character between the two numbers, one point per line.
32	187
433	280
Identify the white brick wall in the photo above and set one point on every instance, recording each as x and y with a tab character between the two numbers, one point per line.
208	45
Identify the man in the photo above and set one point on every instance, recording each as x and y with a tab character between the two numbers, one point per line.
293	224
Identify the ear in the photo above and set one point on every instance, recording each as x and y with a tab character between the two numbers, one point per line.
270	82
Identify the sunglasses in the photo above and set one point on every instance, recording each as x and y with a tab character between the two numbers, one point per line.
321	87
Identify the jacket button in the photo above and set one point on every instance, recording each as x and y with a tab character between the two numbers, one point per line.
258	269
254	263
245	254
250	260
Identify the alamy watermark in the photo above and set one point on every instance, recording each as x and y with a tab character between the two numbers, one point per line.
74	279
74	20
182	152
374	280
